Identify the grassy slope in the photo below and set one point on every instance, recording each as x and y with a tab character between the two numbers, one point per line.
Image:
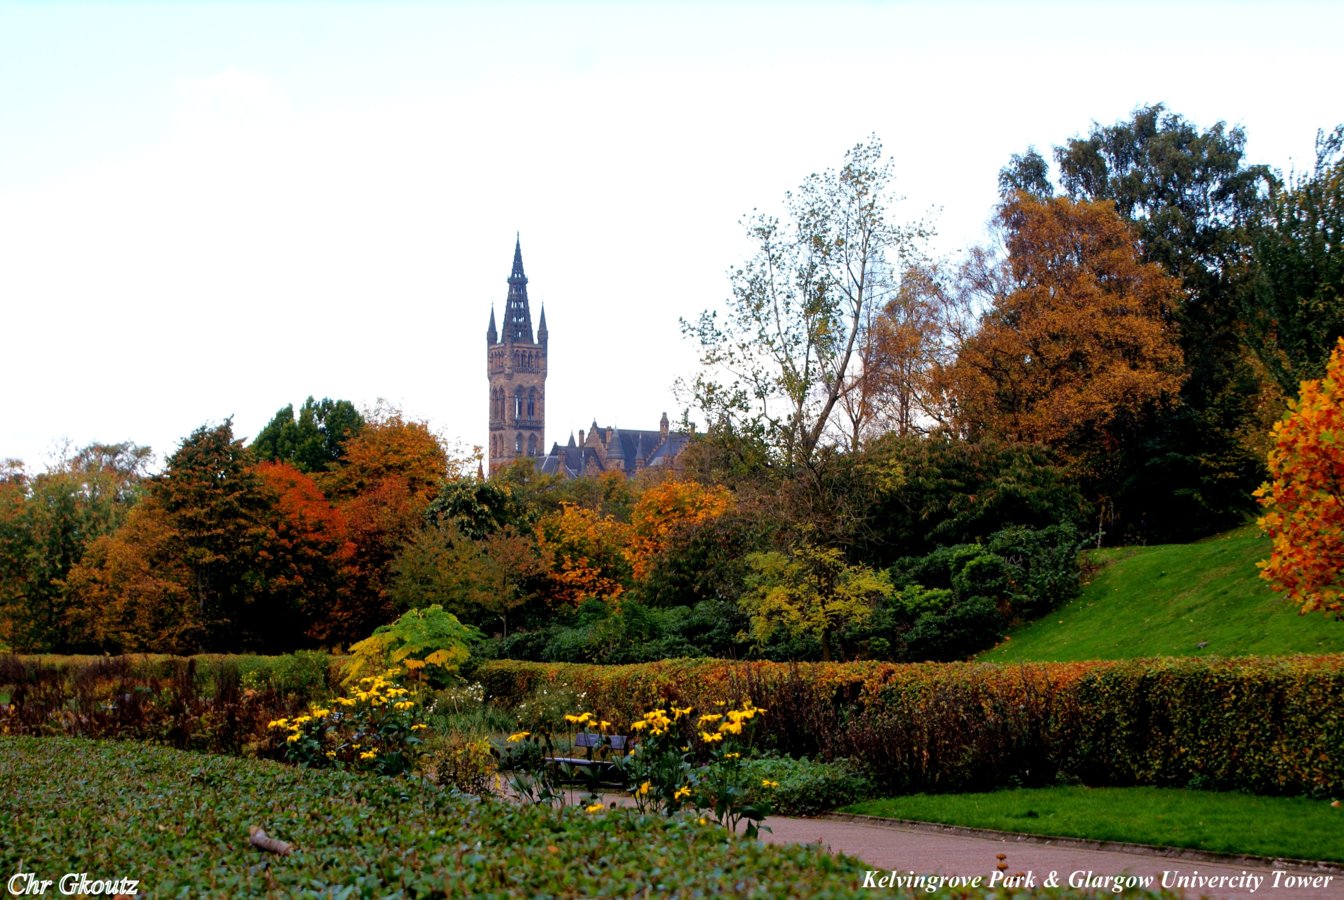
1166	600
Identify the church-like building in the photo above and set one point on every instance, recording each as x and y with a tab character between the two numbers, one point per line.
516	367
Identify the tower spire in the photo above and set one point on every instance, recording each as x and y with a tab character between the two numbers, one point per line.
492	333
517	315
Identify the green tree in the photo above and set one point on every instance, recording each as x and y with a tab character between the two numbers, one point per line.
1294	304
315	440
788	348
810	591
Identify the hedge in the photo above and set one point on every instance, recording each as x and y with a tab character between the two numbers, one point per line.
1263	725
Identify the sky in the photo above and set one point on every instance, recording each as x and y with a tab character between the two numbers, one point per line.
212	210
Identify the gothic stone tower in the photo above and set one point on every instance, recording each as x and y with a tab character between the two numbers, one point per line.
516	365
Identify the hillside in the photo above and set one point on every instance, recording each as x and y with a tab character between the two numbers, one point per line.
1201	599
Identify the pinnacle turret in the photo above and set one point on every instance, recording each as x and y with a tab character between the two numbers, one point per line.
492	334
517	315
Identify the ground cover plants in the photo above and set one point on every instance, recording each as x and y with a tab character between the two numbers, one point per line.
179	822
1236	823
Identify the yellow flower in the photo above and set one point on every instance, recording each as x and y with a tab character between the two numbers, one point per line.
320	713
710	737
643	790
299	720
369	754
331	754
278	723
518	736
639	726
293	738
677	713
682	793
708	718
595	808
730	728
404	705
419	726
767	783
582	719
603	725
345	701
732	756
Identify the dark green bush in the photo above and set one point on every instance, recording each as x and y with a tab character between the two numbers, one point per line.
801	787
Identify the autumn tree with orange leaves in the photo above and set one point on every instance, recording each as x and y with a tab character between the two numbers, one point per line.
1304	497
1077	339
666	512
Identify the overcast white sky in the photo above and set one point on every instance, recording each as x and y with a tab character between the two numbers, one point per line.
212	210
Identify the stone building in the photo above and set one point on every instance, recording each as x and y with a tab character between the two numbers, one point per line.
516	367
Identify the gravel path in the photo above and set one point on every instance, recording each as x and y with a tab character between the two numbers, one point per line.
910	849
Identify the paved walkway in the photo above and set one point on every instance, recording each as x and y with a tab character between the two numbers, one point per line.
908	849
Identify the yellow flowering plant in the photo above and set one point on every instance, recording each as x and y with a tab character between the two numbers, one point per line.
373	729
663	772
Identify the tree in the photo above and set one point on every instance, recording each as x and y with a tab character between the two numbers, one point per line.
1079	347
785	354
1192	198
475	578
1303	501
1293	306
810	591
306	567
46	525
666	514
315	440
392	470
585	555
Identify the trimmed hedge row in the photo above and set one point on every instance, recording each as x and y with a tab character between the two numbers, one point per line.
1263	725
216	703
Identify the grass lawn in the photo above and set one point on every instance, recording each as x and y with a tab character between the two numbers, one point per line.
1217	822
1168	601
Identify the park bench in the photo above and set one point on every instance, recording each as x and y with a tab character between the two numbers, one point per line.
591	744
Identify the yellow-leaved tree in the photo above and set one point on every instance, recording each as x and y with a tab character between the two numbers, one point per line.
1304	497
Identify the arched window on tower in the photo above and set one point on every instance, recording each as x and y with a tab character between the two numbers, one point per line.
517	404
531	445
532	403
518	444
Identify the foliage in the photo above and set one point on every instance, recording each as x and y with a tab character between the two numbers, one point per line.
391	472
1217	822
46	523
1077	349
667	515
1192	197
1304	499
1293	307
424	643
803	787
315	440
373	728
1271	726
183	820
810	591
785	354
956	492
479	581
584	553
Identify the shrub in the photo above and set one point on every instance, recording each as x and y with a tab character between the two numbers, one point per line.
1267	725
807	788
